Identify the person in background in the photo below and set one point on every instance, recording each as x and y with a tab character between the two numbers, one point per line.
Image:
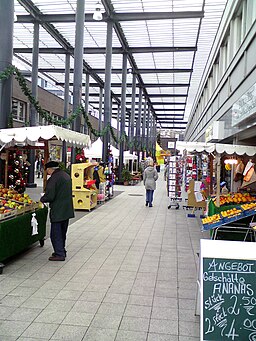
149	178
58	193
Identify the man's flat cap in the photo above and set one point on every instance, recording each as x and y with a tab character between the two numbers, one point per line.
51	164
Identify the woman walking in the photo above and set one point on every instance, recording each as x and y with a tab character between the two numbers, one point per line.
149	178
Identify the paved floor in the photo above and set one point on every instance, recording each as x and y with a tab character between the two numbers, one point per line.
130	275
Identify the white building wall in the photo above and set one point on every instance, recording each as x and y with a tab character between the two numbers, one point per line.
230	72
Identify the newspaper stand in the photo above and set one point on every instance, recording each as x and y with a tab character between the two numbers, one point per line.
174	180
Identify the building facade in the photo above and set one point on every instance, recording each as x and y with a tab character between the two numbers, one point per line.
225	107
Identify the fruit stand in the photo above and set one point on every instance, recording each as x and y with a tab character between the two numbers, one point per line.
17	209
234	216
16	232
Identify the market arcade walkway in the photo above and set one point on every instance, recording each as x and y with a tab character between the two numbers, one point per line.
130	275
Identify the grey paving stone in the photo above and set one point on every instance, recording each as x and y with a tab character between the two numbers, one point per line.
92	296
116	298
61	305
168	302
100	334
8	328
22	291
36	302
9	338
69	333
186	303
109	322
51	316
68	295
188	315
134	324
40	330
86	307
24	314
50	293
78	319
163	326
5	311
111	309
133	310
165	313
162	337
141	300
125	335
188	328
188	338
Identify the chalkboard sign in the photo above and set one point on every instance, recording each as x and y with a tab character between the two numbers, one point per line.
228	296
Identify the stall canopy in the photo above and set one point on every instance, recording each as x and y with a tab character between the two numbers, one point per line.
95	151
33	135
129	156
216	147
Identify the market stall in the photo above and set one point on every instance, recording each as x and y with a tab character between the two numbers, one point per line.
22	222
233	210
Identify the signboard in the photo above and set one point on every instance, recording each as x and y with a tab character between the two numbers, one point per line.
245	107
228	290
215	131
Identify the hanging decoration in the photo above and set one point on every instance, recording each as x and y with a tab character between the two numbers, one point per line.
13	70
18	171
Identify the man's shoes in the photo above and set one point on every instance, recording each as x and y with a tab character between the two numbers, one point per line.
54	254
146	203
150	205
56	258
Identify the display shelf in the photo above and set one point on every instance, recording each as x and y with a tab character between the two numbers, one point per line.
174	181
84	200
230	220
83	192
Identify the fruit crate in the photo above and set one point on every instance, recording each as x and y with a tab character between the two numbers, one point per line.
8	215
213	225
250	212
232	218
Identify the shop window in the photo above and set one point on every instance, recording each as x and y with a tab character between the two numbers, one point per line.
18	110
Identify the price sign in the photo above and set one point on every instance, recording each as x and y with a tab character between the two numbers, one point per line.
228	291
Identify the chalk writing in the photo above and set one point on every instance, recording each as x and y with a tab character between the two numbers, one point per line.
229	299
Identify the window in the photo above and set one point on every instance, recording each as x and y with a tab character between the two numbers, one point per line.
18	110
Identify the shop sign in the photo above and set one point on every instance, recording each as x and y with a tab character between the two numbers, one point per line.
215	131
245	107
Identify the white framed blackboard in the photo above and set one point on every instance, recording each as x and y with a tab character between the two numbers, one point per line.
227	290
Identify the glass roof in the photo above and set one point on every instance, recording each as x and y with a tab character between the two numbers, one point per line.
178	34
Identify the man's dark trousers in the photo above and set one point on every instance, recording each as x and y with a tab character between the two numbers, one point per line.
58	237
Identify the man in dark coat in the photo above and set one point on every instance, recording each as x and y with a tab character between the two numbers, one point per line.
58	193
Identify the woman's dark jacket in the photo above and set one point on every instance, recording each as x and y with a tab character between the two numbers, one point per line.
58	193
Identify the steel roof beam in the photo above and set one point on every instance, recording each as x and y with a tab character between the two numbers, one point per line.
154	103
66	46
151	95
147	85
117	17
119	71
102	50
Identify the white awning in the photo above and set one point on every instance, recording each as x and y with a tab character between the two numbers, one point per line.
95	151
32	135
218	147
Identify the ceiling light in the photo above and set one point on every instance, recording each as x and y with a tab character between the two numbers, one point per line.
97	15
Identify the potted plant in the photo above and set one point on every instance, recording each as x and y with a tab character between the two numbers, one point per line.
126	176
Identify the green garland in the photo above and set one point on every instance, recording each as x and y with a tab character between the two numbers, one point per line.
13	70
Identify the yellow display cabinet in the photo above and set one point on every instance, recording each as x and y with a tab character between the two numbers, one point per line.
84	196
